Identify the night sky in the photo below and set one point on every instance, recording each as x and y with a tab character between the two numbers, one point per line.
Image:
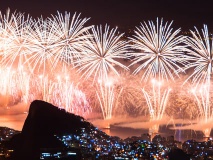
126	14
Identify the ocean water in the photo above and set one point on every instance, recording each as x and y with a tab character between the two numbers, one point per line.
164	131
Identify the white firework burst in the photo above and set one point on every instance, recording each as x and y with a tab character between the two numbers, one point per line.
72	35
104	50
158	50
42	38
14	39
200	50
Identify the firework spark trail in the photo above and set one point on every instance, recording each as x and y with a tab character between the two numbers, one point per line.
202	97
156	99
159	51
108	96
157	103
106	99
67	96
18	84
200	50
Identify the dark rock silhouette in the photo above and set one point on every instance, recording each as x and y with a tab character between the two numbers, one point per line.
42	123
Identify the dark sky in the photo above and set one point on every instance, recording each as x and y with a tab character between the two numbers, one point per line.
122	13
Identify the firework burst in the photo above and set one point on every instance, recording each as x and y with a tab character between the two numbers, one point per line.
201	55
158	51
72	36
104	50
200	50
31	50
14	39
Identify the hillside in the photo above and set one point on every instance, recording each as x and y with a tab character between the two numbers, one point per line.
43	122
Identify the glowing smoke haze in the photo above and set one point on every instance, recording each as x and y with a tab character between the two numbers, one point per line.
87	70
